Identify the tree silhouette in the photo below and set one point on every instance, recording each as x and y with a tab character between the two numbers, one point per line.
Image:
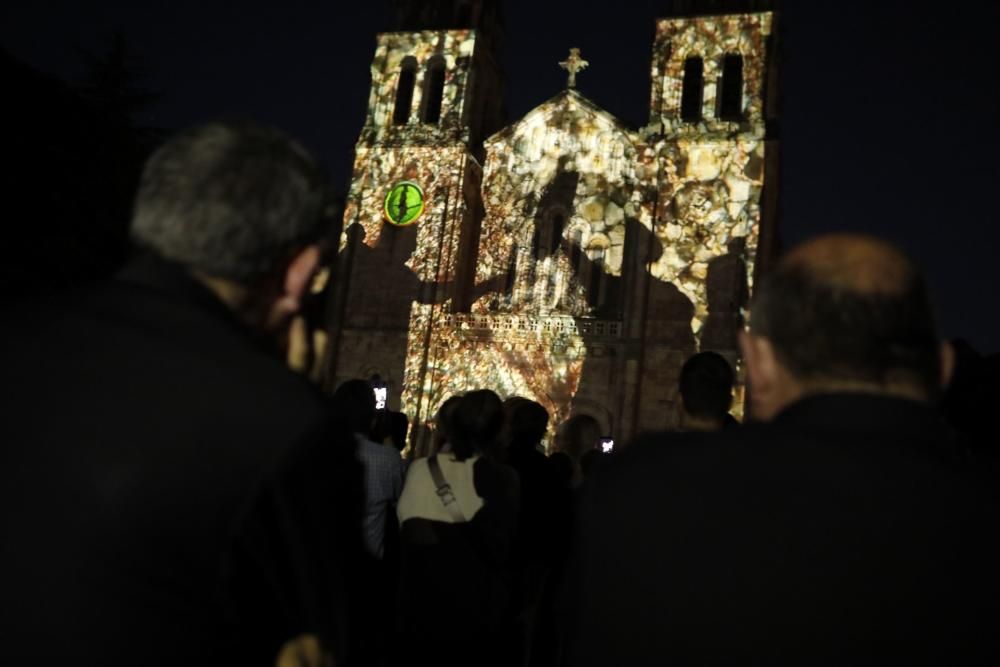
115	80
79	154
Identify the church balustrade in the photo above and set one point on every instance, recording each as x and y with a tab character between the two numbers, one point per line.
502	325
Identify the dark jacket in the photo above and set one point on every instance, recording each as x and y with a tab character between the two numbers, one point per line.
171	493
455	576
845	532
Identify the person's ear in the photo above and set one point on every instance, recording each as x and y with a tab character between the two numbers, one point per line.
300	271
765	375
754	359
947	364
294	283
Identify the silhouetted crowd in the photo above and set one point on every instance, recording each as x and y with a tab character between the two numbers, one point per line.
478	534
173	493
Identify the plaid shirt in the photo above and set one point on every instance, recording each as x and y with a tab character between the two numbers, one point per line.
383	484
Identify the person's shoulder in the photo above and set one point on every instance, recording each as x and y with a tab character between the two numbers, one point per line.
282	393
50	317
663	454
654	446
379	453
417	468
489	474
526	460
687	443
417	483
487	466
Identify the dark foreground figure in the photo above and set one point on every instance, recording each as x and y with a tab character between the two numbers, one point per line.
844	531
171	493
457	532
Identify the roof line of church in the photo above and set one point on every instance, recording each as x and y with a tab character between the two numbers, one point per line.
566	92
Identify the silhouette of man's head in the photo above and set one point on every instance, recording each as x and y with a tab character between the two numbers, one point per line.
240	207
444	422
527	421
706	388
398	426
355	400
476	422
841	313
579	435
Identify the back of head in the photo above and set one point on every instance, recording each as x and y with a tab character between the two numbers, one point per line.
444	421
579	435
587	461
527	422
355	401
850	311
230	200
398	426
562	464
476	423
706	386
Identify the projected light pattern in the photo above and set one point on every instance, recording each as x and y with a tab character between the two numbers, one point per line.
579	219
565	161
439	173
711	39
404	203
714	168
695	186
708	198
453	50
543	364
429	154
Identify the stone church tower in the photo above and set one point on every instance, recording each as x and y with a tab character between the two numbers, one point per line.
566	257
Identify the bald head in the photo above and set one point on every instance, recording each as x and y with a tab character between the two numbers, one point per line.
853	263
846	311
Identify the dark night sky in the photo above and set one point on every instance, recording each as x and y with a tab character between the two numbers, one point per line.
889	115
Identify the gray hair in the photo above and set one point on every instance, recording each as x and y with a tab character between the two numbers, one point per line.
232	200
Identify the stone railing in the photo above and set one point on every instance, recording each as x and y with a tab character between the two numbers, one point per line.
514	325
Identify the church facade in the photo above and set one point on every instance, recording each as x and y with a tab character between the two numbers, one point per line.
565	257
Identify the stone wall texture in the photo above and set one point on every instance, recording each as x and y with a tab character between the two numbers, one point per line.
567	258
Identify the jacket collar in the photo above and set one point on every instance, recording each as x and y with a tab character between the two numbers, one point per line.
888	417
172	281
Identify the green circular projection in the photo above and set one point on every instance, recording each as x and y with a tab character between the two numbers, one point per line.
404	203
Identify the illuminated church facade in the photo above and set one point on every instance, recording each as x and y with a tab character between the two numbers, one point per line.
565	257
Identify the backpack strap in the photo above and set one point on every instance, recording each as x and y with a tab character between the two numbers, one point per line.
444	491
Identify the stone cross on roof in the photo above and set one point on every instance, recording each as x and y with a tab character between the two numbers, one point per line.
573	64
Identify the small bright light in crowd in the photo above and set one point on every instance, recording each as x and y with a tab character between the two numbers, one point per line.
381	396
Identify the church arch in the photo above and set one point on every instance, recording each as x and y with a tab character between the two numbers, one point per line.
404	90
731	93
549	232
596	289
433	91
600	412
693	89
576	241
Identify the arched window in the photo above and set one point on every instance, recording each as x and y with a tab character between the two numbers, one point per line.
595	290
548	234
433	90
404	91
694	89
576	251
511	274
469	96
731	97
558	222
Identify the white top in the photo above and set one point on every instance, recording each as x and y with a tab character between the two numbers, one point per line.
420	500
